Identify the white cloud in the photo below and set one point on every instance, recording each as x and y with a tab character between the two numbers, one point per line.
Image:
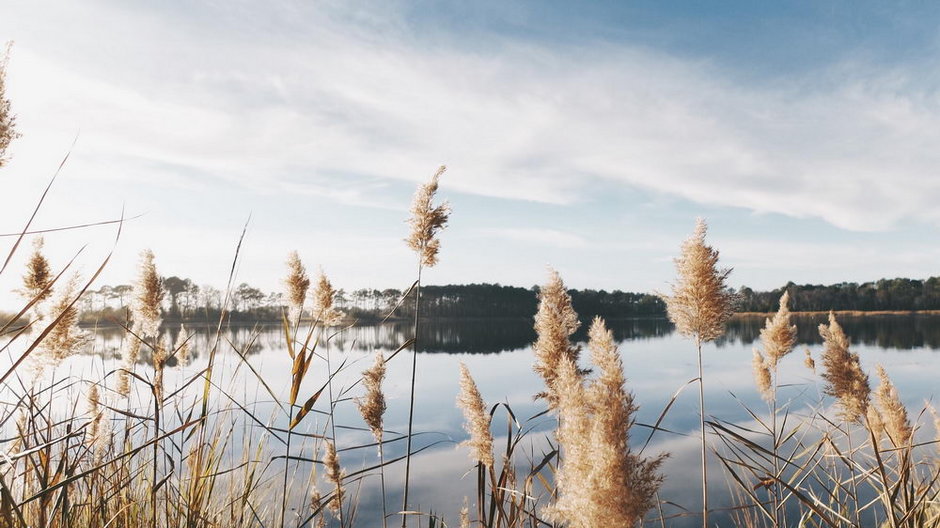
528	122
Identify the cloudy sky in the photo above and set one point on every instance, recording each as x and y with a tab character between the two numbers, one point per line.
586	136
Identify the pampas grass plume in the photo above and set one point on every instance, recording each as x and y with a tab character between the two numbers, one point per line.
323	296
66	338
844	377
477	422
334	474
148	295
778	337
893	413
701	302
297	284
426	220
372	406
762	376
38	279
555	321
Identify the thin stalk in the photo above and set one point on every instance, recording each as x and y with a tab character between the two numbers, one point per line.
290	419
848	436
773	425
411	403
701	402
329	383
156	443
382	477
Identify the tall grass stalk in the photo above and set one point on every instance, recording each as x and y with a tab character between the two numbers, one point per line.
700	304
426	220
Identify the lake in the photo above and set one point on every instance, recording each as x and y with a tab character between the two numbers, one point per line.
657	363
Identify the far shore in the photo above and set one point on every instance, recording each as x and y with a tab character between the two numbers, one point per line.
851	313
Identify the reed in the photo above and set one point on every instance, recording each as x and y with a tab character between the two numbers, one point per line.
700	305
426	221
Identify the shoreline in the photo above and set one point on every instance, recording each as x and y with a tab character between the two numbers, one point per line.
850	313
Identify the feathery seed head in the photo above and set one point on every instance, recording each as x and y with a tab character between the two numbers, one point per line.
555	321
297	283
844	377
323	297
762	376
778	337
130	353
7	120
701	302
38	279
477	419
896	422
148	294
426	220
181	346
808	361
334	474
600	477
372	407
95	415
936	426
66	338
465	514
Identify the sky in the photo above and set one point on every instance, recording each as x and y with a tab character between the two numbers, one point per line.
586	136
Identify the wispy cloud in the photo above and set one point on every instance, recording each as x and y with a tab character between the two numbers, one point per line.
532	122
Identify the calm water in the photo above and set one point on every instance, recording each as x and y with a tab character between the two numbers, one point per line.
657	363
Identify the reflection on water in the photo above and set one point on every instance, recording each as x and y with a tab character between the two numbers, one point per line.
656	360
489	336
903	332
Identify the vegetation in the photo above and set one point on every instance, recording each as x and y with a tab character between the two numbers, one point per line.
148	442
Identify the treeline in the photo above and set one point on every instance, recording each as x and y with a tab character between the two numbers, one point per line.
186	300
881	295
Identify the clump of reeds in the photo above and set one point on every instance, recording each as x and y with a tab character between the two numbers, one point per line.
808	360
700	305
7	120
555	322
477	419
844	377
600	479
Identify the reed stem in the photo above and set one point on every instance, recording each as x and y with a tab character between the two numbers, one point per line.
411	402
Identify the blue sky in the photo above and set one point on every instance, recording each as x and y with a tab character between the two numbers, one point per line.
586	136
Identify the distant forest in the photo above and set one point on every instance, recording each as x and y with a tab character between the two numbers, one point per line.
188	301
